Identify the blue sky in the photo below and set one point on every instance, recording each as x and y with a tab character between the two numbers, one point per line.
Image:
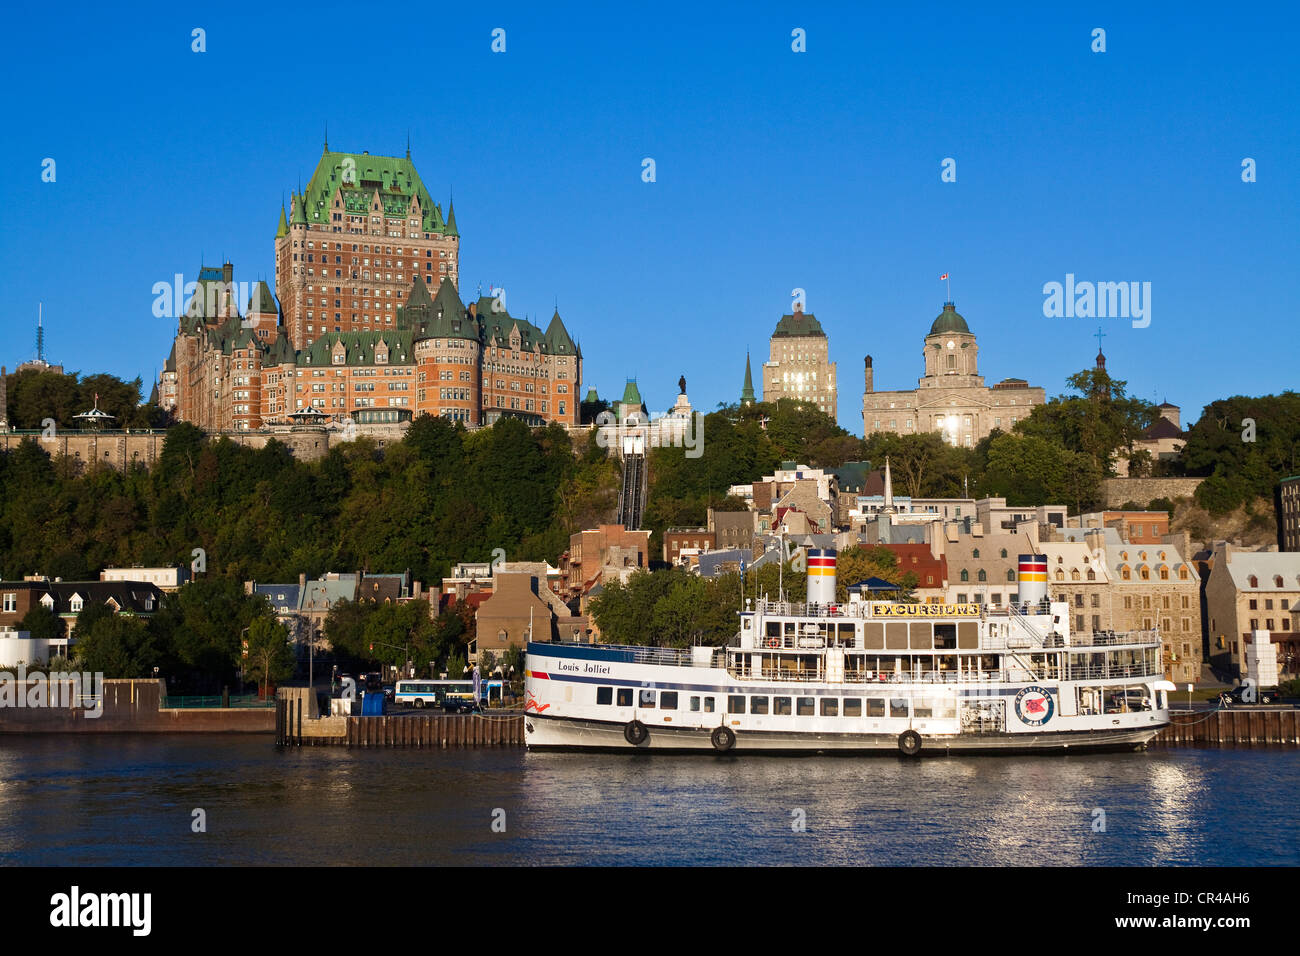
774	170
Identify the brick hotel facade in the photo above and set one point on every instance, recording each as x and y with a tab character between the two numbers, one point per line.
370	327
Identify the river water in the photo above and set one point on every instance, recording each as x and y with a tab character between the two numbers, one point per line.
128	800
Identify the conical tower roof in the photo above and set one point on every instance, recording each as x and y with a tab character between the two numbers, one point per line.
558	338
747	392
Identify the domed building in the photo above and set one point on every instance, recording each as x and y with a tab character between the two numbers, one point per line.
799	366
951	397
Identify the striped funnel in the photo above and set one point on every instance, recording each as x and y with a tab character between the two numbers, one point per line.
1033	578
821	576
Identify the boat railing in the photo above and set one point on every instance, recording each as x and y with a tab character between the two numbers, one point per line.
1114	638
1102	672
669	656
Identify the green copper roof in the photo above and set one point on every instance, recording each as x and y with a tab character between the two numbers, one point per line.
281	351
262	300
800	323
358	178
631	394
282	229
949	321
451	229
747	392
557	337
297	210
359	349
592	396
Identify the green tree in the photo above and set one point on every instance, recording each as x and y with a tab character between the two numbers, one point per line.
116	645
1099	421
268	654
42	623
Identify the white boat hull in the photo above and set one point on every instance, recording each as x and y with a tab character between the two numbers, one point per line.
564	733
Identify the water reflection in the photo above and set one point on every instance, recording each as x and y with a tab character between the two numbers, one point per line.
128	800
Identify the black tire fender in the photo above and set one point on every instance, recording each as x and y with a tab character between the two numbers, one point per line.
724	738
909	743
636	733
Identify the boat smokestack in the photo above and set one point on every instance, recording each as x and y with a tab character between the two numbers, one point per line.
1033	579
821	576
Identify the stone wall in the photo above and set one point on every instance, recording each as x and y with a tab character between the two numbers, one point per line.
133	706
1117	491
120	450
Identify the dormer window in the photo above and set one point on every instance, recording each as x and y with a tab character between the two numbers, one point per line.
76	604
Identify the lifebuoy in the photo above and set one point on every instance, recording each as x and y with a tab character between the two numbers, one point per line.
909	743
723	738
635	733
771	642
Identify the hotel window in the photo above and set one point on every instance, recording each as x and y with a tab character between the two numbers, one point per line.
11	603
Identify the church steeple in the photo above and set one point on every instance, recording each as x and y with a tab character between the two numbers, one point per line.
889	489
747	392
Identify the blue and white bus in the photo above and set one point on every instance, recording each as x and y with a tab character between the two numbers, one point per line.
433	693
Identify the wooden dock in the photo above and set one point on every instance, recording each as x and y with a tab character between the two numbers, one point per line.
419	731
1253	727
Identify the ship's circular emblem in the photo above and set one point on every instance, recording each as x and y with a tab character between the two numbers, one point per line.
1034	705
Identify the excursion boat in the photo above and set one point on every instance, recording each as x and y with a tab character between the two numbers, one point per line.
866	676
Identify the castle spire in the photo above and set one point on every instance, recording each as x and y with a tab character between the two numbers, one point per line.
747	392
451	218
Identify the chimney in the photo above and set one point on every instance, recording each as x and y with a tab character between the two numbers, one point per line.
302	581
869	377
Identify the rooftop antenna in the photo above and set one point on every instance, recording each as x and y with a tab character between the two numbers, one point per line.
40	331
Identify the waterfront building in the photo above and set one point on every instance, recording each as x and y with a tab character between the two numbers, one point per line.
799	365
608	552
1156	586
683	544
983	567
732	529
522	607
67	599
166	579
1134	527
951	397
1251	591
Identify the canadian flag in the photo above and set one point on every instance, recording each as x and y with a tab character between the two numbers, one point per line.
942	277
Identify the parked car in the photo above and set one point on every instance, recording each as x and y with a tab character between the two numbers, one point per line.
1238	695
459	705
